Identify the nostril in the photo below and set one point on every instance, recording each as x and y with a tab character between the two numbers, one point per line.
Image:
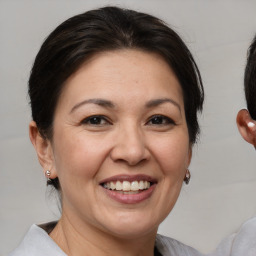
130	154
133	160
137	161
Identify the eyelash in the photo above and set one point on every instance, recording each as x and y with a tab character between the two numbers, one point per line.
167	120
97	119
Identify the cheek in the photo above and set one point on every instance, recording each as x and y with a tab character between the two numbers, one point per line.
78	156
172	154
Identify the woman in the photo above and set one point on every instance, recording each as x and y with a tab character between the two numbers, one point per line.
244	241
114	97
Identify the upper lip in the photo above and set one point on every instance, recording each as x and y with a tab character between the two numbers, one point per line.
130	178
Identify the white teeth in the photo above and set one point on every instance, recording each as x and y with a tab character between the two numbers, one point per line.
112	185
141	184
119	185
146	184
134	186
127	186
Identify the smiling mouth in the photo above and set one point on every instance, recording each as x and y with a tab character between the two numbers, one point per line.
127	187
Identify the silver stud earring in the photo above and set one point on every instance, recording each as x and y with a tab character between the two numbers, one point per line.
48	174
187	177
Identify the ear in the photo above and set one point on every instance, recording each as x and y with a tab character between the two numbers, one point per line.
246	126
43	149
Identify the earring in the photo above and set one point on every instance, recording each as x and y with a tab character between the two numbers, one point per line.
47	174
187	177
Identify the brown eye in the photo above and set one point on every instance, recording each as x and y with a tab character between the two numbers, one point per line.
95	120
160	120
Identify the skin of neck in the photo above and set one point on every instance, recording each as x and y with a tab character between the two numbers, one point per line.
79	238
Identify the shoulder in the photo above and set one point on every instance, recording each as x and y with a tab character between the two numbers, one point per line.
170	246
37	243
245	240
241	243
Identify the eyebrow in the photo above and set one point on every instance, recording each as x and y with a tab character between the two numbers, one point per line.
109	104
100	102
157	102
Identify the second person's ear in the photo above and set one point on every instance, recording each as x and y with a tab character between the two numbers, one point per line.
246	126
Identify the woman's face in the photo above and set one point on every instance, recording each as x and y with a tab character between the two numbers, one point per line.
120	144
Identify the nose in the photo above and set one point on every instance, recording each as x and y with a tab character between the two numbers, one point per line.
129	146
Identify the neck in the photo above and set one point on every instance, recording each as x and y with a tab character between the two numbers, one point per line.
83	239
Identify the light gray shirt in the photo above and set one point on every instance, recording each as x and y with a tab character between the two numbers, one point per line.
38	243
242	243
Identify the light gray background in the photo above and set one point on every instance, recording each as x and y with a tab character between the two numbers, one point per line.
222	191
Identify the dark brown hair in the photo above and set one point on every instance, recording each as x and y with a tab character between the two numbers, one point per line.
250	79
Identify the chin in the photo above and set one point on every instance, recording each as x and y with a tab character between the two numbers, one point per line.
135	226
134	231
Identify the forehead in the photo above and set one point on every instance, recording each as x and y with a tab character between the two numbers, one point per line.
123	74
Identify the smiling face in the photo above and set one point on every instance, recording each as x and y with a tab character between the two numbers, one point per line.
120	144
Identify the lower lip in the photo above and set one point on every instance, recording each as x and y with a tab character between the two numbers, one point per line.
130	198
